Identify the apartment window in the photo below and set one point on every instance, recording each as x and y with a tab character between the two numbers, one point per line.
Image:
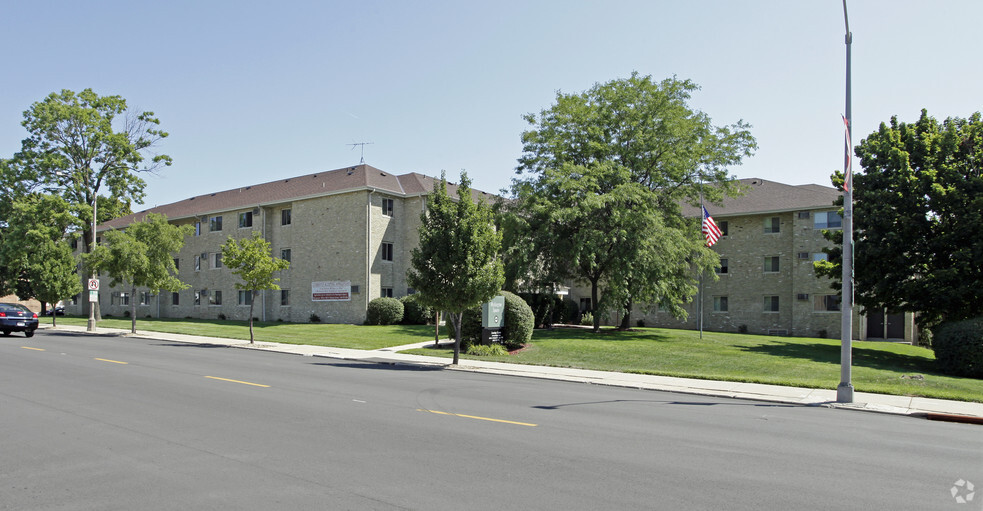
124	298
771	304
197	263
722	225
772	224
820	256
585	305
826	303
144	297
285	217
771	264
285	254
215	223
719	304
245	297
175	298
410	291
216	260
246	219
177	264
355	289
215	298
827	220
387	207
284	297
803	255
197	228
75	244
197	297
723	269
387	292
387	251
75	299
803	215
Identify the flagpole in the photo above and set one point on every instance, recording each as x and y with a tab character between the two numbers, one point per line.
844	391
699	305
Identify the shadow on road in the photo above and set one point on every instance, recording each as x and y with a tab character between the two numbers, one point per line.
384	365
663	402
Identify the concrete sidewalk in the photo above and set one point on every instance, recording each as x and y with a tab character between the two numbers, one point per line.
939	409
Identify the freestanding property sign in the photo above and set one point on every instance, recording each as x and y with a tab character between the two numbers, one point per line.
331	291
492	320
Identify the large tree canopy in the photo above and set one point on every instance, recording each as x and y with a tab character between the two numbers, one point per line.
603	175
918	214
456	266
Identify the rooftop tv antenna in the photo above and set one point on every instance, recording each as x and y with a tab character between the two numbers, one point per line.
362	145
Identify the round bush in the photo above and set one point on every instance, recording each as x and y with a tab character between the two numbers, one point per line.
384	311
958	347
519	323
416	313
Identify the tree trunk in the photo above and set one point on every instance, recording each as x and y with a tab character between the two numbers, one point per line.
252	299
626	319
593	306
133	310
436	331
458	317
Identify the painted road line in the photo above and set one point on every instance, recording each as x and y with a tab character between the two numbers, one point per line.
113	361
30	348
237	381
478	418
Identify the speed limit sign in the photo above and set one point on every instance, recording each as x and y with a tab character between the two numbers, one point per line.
93	284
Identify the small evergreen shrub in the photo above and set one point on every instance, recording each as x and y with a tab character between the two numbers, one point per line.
415	312
222	316
481	350
587	319
640	323
314	318
384	311
742	329
958	347
126	314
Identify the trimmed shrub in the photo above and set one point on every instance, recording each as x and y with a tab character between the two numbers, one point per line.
570	312
314	318
519	322
480	350
587	319
384	311
958	347
416	313
547	309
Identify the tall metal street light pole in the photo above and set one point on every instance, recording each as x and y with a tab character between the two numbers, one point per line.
844	391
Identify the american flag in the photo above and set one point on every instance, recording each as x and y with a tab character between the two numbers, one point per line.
710	229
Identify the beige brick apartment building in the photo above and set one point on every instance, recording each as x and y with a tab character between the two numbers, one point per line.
771	236
348	234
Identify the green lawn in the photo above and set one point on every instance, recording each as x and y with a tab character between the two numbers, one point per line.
801	362
795	361
338	336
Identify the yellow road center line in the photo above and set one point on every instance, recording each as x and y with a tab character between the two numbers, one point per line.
478	418
237	381
30	348
113	361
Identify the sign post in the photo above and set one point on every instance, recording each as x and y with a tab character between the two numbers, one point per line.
492	320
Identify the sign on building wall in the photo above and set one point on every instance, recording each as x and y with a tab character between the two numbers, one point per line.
331	291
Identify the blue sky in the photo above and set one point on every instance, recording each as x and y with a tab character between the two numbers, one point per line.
256	91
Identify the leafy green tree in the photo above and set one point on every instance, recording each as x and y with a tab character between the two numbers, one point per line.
82	145
251	259
456	265
918	213
604	173
36	260
142	255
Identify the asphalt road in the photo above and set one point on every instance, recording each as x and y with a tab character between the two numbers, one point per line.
117	423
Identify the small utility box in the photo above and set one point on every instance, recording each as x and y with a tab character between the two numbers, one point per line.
492	320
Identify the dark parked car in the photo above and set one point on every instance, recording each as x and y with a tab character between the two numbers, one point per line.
56	310
14	317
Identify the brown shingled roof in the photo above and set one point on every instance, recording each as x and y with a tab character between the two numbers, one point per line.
763	196
347	179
